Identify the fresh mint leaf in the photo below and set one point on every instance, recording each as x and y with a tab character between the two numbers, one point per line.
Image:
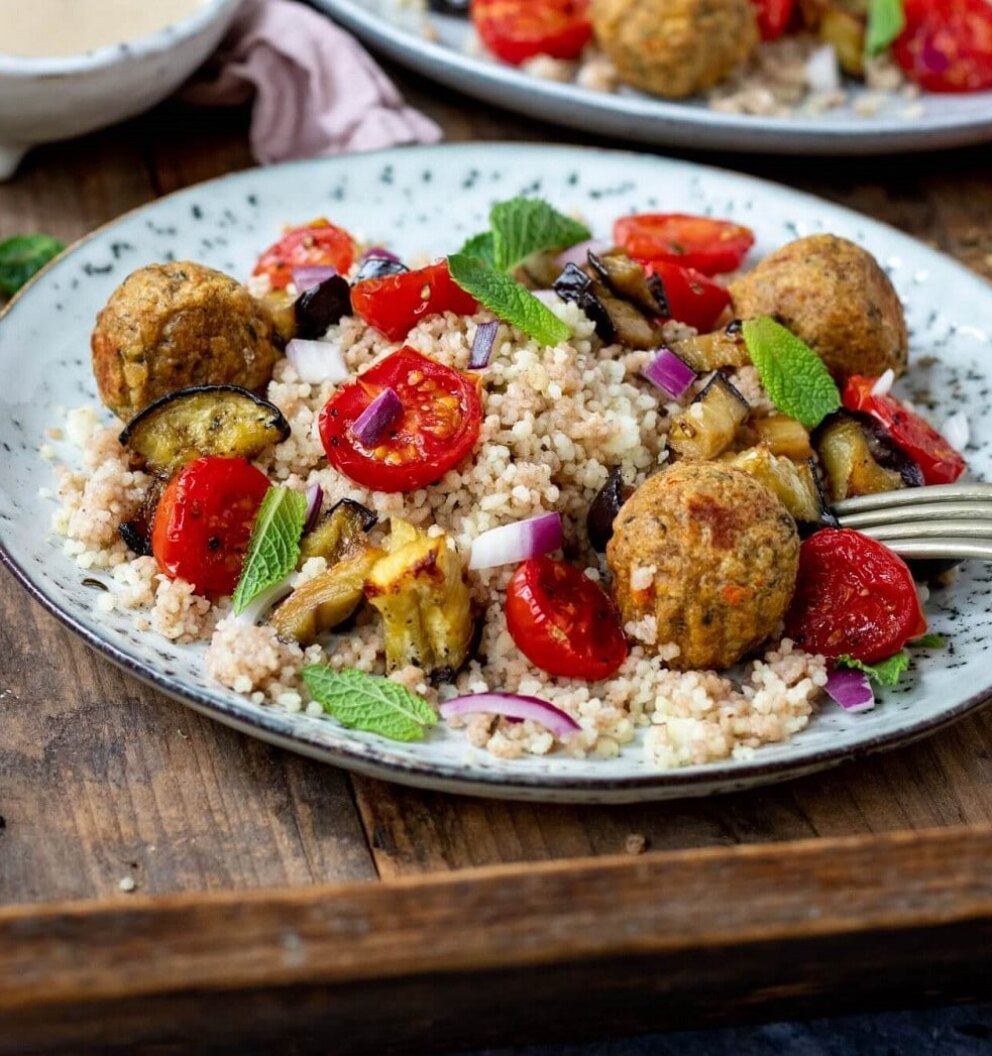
522	227
793	375
506	298
885	672
928	641
367	702
886	20
23	255
275	544
481	247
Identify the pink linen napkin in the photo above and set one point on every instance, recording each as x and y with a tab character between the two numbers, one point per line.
317	91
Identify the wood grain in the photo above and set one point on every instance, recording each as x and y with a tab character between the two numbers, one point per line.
499	954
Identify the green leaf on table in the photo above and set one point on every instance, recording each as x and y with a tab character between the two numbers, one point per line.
886	672
22	256
522	227
793	375
369	703
928	641
274	548
886	21
507	299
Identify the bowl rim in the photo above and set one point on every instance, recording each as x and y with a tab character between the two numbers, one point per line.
161	41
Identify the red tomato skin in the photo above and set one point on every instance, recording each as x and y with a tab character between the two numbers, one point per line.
946	45
517	30
853	596
773	16
563	622
396	303
318	243
692	298
204	519
430	437
939	462
710	246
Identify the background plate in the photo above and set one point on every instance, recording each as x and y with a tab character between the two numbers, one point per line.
947	120
430	199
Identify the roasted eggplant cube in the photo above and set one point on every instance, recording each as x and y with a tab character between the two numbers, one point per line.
722	349
343	529
184	425
327	600
627	279
794	483
846	457
604	509
782	435
322	306
574	285
708	426
419	590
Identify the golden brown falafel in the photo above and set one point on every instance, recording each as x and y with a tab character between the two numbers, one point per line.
675	48
172	325
712	554
832	294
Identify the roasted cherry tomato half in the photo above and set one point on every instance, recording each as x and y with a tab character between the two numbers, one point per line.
710	246
946	45
853	596
517	30
396	303
204	519
692	298
773	16
318	244
940	463
563	622
437	428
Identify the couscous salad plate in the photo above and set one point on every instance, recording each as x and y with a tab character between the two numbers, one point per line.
512	471
765	76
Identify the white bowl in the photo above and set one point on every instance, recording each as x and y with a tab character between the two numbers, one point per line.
44	99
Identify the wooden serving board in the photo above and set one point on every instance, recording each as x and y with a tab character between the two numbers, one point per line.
281	905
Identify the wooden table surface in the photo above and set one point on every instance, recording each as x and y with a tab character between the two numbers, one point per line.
102	778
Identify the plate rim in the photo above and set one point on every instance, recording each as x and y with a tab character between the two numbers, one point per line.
491	783
703	128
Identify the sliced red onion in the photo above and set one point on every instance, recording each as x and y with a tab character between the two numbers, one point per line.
513	706
314	275
670	373
380	414
851	690
511	543
315	499
381	253
317	361
261	603
957	431
883	386
579	253
482	345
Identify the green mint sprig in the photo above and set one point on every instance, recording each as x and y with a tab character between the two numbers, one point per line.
518	229
369	703
885	672
22	256
793	375
507	299
928	641
274	548
886	20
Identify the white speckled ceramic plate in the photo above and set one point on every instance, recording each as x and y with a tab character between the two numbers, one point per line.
429	199
395	29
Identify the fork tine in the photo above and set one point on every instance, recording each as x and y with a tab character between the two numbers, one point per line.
930	530
928	511
924	549
975	491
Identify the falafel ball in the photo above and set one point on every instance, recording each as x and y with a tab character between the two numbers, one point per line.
832	294
711	554
172	325
675	48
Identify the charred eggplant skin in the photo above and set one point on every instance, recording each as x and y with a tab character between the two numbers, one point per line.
322	306
379	268
627	279
604	509
574	285
135	536
887	453
223	420
341	529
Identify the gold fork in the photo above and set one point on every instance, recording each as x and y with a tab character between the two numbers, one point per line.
940	521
